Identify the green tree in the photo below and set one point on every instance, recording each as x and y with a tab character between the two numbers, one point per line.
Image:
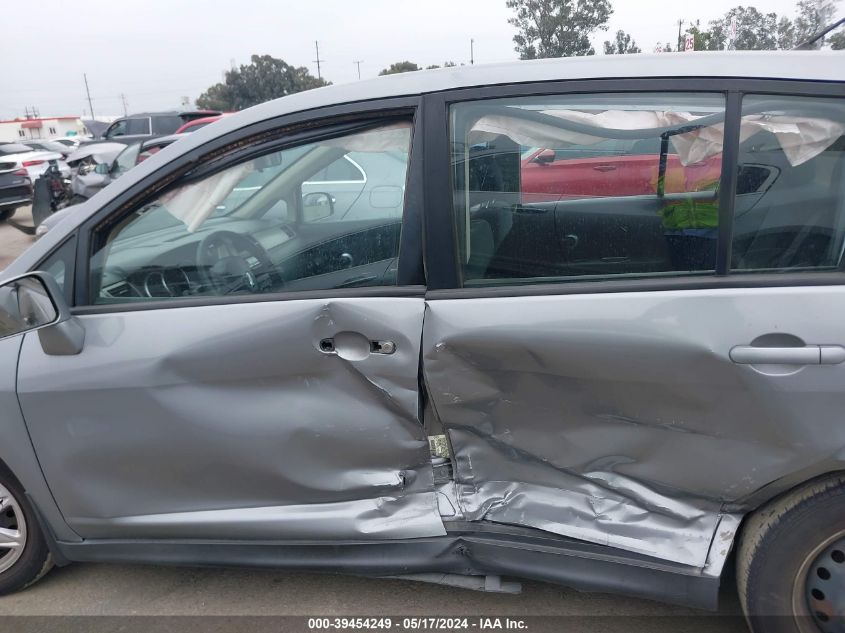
701	37
557	28
445	65
622	45
837	42
263	79
813	16
400	67
755	30
786	34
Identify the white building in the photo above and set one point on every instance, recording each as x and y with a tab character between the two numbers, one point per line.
44	128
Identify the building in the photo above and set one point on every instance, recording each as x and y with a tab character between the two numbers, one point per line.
44	128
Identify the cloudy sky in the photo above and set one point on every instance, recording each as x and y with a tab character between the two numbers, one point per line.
156	51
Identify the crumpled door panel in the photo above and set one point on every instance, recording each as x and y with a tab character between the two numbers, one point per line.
620	419
229	421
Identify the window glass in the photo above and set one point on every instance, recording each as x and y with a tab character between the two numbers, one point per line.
166	124
263	226
126	159
790	204
118	128
343	170
138	126
567	187
60	264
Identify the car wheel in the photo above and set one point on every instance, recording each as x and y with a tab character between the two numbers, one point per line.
5	214
24	555
791	561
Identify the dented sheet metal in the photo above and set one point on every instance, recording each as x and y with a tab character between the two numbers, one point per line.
230	422
619	418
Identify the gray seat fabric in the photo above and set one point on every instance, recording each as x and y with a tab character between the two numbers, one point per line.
482	247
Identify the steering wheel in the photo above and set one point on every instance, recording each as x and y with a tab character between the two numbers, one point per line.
223	263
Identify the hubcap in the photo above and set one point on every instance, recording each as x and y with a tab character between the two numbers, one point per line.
823	580
12	530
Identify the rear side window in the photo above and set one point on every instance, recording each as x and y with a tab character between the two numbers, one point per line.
137	126
166	124
583	186
790	206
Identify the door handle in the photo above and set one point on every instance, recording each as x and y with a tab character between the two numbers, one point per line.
352	347
807	355
605	168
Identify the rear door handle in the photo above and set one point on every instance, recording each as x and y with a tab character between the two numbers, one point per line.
807	355
605	168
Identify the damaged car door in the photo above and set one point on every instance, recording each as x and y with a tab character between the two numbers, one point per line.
597	376
249	370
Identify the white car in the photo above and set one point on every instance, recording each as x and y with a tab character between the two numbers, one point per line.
35	162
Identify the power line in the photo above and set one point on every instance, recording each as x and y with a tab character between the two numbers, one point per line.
358	63
318	60
88	92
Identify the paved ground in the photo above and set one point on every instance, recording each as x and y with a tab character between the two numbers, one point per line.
119	590
12	241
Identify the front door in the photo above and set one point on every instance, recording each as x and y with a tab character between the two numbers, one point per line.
249	370
635	406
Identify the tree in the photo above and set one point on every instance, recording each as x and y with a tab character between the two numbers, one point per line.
700	37
557	28
263	79
622	45
755	30
400	67
786	34
445	65
813	16
837	42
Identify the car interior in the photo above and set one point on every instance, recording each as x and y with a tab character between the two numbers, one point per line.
194	241
786	216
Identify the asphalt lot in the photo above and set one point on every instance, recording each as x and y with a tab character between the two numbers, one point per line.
122	590
12	241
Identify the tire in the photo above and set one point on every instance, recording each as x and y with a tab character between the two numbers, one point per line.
19	570
782	547
5	214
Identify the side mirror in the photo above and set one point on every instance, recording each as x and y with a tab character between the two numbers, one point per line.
34	301
317	206
546	157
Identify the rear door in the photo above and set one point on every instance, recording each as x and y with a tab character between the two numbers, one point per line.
230	385
634	406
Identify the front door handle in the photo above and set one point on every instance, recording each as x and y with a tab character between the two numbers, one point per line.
807	355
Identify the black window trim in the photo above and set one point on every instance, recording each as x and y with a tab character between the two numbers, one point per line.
444	269
285	130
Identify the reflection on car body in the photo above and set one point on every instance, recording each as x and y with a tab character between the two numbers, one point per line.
355	329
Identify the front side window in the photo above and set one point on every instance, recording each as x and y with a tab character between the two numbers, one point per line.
790	206
262	226
118	128
583	186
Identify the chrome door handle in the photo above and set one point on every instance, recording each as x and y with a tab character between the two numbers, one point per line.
807	355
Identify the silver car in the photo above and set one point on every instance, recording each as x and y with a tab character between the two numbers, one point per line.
375	328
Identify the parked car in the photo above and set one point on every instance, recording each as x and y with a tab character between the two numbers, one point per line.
196	124
68	141
103	168
15	188
87	157
35	162
627	390
49	146
139	127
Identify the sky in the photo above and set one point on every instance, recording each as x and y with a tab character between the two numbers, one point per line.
154	52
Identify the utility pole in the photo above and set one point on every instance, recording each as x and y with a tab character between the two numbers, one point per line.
88	92
471	51
318	60
680	42
358	63
123	98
